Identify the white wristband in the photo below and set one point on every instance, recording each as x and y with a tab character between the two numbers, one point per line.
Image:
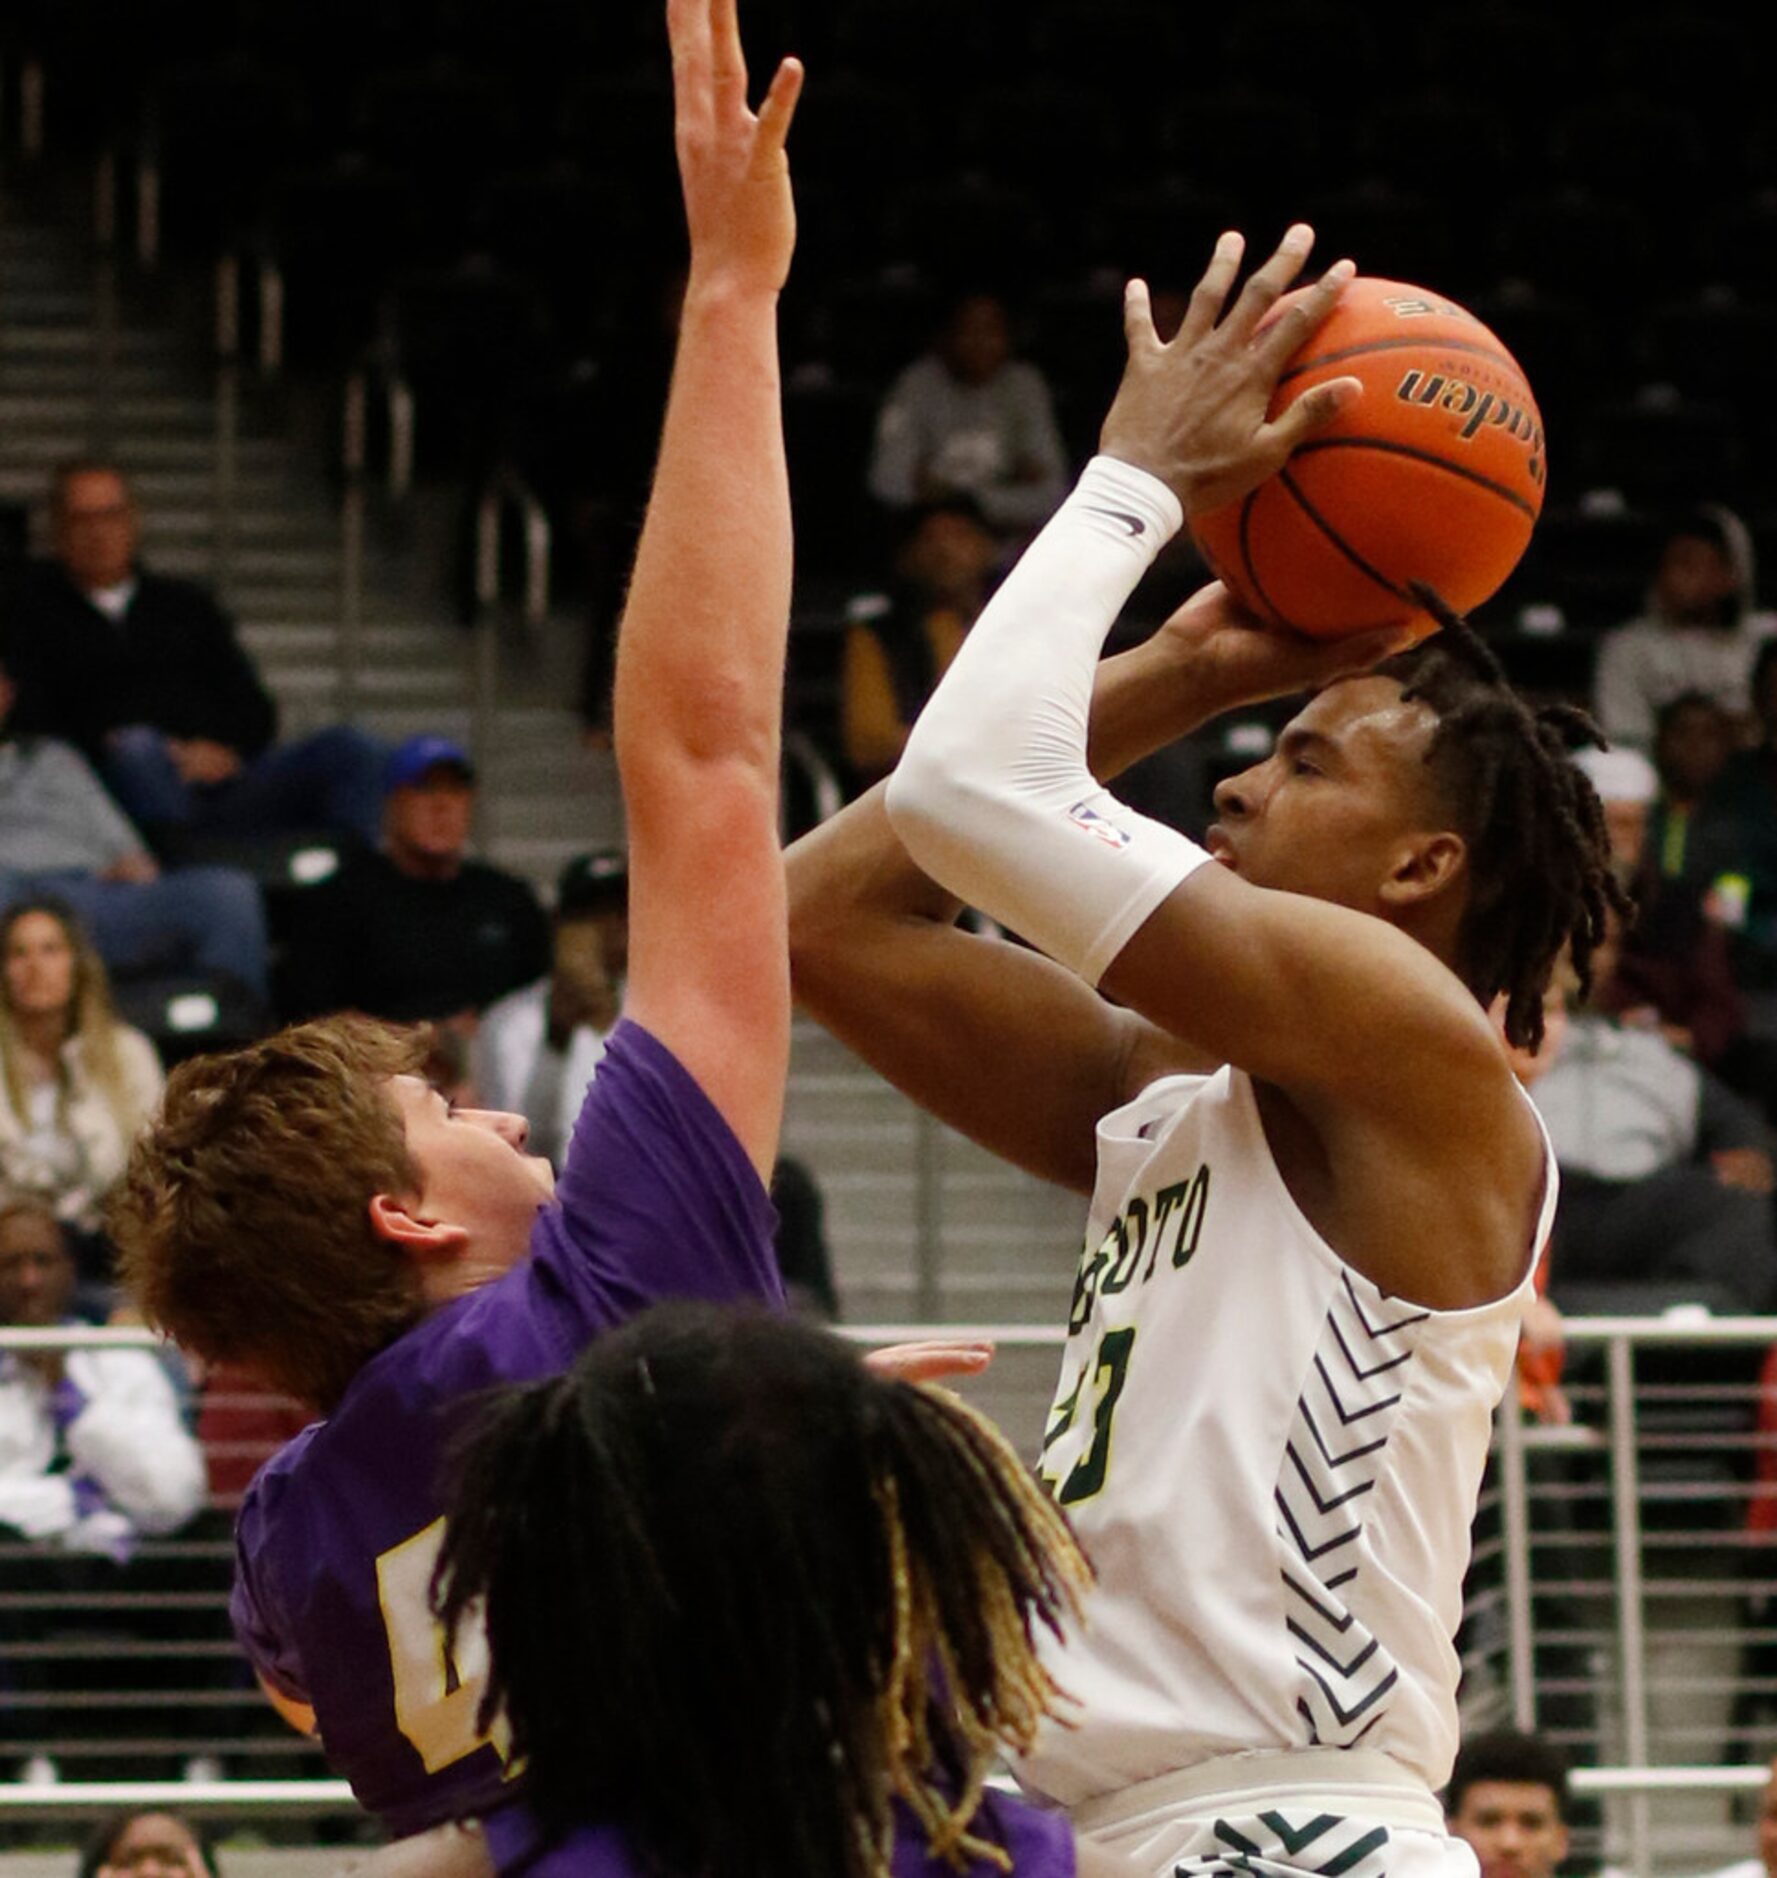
993	798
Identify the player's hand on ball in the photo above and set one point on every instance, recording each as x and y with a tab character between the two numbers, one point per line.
931	1361
732	166
1195	411
1229	658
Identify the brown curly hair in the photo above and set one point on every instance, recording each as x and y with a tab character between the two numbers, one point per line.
243	1220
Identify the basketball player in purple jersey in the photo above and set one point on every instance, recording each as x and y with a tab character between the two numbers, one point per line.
310	1209
829	1584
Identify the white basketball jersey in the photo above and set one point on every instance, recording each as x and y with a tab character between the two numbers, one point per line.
1272	1465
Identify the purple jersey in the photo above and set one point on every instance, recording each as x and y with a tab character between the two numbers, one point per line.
1041	1845
339	1531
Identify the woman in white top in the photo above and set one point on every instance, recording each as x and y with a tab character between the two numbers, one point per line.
75	1082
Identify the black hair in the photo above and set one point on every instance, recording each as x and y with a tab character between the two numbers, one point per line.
102	1841
741	1594
1540	879
1505	1754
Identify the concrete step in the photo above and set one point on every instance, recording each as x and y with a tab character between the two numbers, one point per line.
51	339
299	642
138	448
282	527
293	568
261	490
395	686
535	817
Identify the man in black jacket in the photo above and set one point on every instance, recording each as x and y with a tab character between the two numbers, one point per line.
144	674
418	932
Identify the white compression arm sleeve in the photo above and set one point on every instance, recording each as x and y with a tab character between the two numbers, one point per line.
993	798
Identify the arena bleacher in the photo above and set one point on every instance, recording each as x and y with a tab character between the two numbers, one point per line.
366	295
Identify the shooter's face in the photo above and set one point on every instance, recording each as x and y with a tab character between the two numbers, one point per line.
474	1170
1340	804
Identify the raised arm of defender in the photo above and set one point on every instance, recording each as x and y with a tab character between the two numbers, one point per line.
700	660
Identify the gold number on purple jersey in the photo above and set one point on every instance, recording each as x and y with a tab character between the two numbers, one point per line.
438	1690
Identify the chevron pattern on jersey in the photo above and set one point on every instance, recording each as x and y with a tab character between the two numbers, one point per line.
1330	1464
1281	1845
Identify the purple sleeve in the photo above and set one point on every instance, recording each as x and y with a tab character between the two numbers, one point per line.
253	1608
657	1199
1040	1843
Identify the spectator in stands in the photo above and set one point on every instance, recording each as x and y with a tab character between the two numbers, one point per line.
418	932
1693	741
1763	1864
144	674
1700	632
93	1450
1508	1799
969	419
75	1082
61	834
1666	1175
898	644
1736	835
149	1845
1673	971
536	1050
95	1458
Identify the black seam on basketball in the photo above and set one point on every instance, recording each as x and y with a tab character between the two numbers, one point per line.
1418	342
1252	573
1420	456
1344	546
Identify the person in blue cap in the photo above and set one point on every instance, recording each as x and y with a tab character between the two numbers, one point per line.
418	931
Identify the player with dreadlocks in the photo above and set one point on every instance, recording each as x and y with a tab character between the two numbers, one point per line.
1318	1194
755	1612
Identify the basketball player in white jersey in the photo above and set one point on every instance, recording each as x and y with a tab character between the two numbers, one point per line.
1317	1192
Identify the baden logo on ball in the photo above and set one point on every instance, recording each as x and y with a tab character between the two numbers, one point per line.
1433	478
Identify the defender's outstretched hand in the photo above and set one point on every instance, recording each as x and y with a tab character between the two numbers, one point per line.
1195	411
735	175
934	1360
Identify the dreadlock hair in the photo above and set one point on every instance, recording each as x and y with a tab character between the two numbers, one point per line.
742	1595
1540	876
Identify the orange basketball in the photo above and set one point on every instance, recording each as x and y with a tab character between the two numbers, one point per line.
1435	474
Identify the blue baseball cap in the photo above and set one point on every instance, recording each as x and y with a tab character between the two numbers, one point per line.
419	756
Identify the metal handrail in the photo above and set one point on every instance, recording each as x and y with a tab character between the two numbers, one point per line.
266	279
509	490
801	753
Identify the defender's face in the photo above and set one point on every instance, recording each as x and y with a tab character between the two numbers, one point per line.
1337	803
474	1171
1514	1827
